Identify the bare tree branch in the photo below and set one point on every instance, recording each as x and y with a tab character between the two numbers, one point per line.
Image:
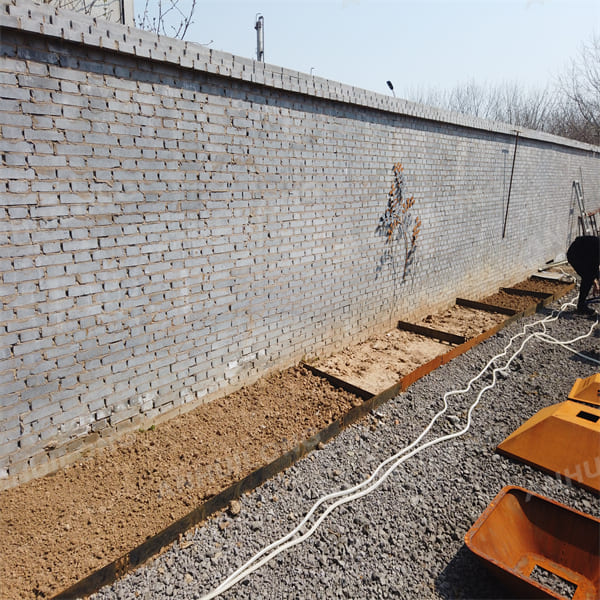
581	86
170	18
165	17
104	9
569	107
507	102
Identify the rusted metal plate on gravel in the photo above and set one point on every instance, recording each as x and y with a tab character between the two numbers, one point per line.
522	536
586	390
563	439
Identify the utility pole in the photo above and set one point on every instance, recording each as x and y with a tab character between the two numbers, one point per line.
260	38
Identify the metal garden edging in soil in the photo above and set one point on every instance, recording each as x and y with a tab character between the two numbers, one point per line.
487	307
152	546
443	336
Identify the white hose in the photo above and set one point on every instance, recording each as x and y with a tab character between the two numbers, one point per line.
550	340
369	485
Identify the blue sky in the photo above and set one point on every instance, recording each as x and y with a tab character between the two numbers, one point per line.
416	44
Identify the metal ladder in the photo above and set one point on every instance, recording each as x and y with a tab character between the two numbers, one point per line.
587	221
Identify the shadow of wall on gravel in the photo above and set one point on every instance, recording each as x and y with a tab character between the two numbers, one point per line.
466	577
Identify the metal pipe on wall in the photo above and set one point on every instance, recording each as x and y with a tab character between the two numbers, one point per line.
260	38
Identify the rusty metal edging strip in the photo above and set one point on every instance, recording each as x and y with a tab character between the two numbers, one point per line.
420	372
445	358
339	383
406	381
433	364
152	546
444	336
487	307
520	292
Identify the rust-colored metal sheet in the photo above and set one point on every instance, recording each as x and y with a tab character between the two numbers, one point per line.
563	439
525	293
586	390
538	548
339	383
487	307
445	358
420	372
436	334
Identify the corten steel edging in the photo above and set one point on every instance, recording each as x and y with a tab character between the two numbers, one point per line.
152	546
486	307
339	383
545	298
430	366
437	334
532	293
433	364
445	358
420	372
516	575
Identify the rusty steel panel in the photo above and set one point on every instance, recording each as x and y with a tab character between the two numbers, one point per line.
586	390
436	334
563	439
487	307
521	534
531	293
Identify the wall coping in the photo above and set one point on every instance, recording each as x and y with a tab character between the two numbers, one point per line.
27	16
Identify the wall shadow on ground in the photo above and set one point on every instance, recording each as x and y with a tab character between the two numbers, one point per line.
466	577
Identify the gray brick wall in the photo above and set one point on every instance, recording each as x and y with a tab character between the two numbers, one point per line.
177	221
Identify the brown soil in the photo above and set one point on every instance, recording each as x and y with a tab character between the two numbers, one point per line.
460	320
539	285
508	300
57	529
381	361
519	303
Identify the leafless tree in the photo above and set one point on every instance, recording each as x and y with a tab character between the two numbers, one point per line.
472	98
109	10
569	106
166	17
509	102
581	87
532	108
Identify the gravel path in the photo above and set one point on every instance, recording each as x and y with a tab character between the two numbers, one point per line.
405	540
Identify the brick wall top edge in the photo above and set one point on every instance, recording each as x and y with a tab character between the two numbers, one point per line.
27	16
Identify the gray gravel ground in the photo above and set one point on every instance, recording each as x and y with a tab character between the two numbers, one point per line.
406	539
